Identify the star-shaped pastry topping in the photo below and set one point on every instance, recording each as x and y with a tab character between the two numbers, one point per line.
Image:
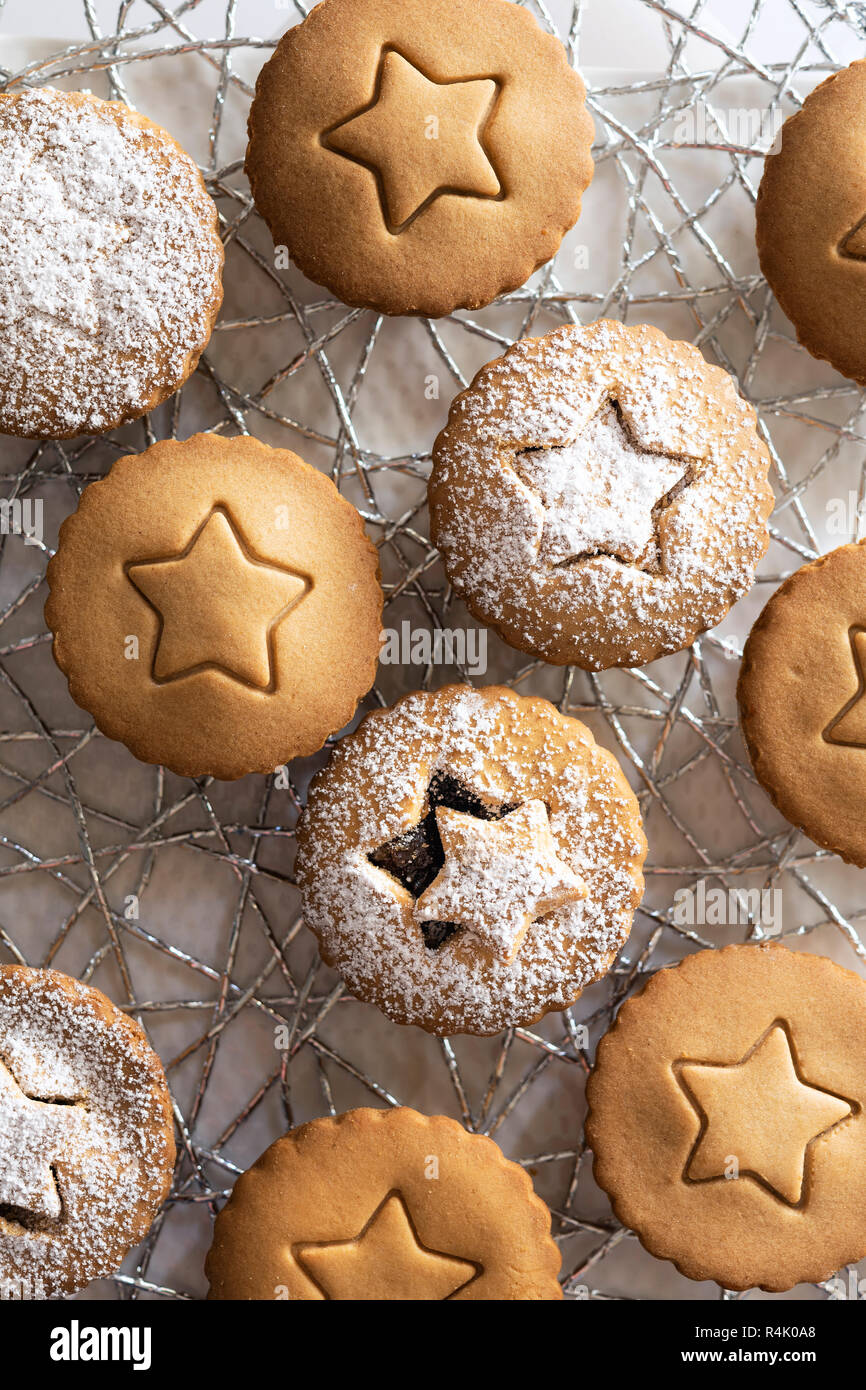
414	857
848	727
33	1136
761	1112
219	605
499	876
386	1262
603	494
420	139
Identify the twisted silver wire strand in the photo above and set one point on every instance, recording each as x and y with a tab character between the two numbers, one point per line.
673	725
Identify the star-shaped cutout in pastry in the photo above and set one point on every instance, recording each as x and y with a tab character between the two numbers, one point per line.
848	727
387	1262
219	605
603	494
499	876
420	139
33	1135
762	1112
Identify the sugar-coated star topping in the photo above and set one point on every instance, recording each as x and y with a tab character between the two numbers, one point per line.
499	876
33	1136
602	494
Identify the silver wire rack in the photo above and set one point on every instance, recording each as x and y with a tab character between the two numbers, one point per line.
176	896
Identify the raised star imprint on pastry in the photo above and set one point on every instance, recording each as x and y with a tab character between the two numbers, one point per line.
33	1135
499	876
219	605
420	139
603	494
848	727
762	1112
386	1261
853	243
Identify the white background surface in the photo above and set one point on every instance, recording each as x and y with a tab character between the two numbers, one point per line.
612	37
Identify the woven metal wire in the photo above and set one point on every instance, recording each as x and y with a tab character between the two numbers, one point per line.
176	896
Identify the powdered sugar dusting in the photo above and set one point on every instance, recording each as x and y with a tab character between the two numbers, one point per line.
498	877
506	750
599	493
545	507
85	1140
109	264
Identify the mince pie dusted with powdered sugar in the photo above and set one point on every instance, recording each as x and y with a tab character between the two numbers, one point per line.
470	860
600	495
86	1134
110	264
